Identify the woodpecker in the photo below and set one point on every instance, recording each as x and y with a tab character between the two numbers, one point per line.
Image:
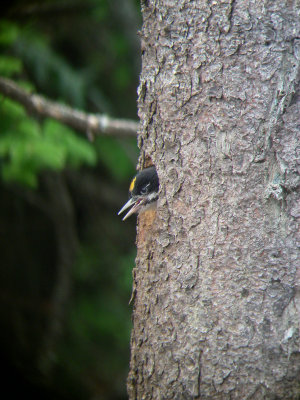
143	192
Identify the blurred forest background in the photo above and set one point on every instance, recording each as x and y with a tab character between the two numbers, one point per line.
66	257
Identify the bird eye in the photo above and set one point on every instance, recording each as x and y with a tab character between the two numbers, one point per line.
144	190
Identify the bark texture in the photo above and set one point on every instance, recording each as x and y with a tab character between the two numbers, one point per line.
216	285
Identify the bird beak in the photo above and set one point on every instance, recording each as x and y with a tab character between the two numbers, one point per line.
136	204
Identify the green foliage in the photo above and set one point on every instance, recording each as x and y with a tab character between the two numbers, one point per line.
50	70
27	147
9	65
85	58
112	155
100	314
101	11
75	150
9	32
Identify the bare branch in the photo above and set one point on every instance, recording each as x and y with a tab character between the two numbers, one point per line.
90	124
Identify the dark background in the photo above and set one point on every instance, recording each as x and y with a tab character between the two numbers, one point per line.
66	257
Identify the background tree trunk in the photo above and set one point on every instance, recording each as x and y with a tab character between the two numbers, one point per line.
216	285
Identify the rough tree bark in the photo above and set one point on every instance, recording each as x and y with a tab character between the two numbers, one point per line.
216	285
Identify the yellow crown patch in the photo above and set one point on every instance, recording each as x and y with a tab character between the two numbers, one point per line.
132	184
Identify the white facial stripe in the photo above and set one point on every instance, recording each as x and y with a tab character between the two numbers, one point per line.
152	197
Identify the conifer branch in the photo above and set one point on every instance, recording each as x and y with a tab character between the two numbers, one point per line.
90	124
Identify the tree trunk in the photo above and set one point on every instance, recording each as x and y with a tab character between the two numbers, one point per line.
216	285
